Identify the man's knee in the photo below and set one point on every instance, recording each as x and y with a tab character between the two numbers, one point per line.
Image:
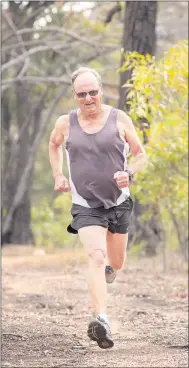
98	256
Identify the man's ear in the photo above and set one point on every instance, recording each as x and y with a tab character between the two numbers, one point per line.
101	88
74	94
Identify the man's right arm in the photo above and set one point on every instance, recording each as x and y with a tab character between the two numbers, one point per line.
55	148
56	155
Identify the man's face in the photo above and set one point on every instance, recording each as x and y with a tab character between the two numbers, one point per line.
88	93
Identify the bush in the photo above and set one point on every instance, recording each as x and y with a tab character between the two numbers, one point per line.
49	222
158	94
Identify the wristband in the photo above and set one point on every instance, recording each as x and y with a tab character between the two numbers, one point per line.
129	172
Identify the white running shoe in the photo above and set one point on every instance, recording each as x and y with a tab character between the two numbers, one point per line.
99	331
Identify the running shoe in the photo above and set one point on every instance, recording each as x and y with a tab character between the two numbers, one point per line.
110	274
99	331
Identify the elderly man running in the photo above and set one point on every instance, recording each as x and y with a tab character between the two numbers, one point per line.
95	137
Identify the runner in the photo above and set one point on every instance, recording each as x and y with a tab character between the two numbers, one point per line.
96	138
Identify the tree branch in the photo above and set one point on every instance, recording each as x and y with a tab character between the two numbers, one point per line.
13	27
15	144
22	185
20	40
30	52
28	19
34	42
68	33
45	79
112	12
20	58
35	80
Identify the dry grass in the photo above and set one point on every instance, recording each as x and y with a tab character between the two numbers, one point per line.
40	257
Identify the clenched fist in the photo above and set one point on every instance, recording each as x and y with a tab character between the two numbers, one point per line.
122	179
61	184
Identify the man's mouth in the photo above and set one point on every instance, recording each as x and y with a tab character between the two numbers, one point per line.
92	103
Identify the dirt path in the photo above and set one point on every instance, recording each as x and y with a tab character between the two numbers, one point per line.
46	311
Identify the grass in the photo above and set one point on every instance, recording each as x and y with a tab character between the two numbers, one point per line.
16	255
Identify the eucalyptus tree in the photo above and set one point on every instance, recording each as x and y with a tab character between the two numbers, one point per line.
139	35
42	42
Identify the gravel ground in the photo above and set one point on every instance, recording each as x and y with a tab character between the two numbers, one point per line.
46	310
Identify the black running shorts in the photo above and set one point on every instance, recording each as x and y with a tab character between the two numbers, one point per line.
115	219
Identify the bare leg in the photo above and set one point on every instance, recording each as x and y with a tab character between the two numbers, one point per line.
93	239
116	249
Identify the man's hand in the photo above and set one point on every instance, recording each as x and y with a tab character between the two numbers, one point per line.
122	179
61	184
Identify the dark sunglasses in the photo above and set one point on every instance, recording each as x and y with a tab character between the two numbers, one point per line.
92	93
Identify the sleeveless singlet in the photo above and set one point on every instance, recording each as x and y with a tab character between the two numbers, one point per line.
93	159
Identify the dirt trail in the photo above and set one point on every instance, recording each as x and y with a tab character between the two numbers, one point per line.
46	311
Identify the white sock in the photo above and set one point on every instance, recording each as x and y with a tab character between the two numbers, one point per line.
104	317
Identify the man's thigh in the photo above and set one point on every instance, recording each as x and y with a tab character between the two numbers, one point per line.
116	244
93	238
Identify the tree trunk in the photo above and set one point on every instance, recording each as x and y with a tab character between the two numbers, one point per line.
22	126
16	220
138	35
20	232
17	150
148	232
181	229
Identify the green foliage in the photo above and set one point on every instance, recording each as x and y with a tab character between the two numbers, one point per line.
138	250
158	93
77	54
99	27
49	222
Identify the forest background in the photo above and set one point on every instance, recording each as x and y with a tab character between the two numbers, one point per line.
139	45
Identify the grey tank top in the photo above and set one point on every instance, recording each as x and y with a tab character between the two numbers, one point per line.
93	159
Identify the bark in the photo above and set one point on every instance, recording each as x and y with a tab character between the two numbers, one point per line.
150	232
22	127
181	229
17	152
20	232
19	206
138	35
24	118
112	12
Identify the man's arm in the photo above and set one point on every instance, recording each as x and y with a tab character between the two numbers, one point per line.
56	155
55	147
139	156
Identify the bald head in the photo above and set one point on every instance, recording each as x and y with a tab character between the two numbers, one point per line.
86	81
84	70
87	90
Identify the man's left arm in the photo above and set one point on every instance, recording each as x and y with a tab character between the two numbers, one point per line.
139	156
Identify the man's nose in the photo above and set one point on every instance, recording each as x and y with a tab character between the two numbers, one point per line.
88	97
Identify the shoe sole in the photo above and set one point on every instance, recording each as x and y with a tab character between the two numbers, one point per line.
109	280
97	332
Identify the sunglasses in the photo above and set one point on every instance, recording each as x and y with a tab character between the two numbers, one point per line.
92	93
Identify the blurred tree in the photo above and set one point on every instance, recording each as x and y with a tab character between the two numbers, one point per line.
164	183
37	36
106	65
139	35
37	59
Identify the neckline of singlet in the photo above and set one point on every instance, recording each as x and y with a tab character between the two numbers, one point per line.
104	126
